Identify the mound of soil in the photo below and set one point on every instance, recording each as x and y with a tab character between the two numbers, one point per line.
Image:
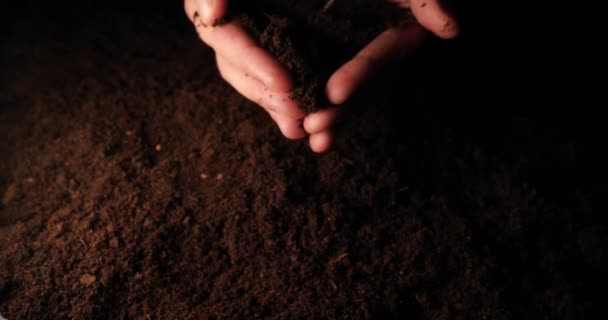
135	183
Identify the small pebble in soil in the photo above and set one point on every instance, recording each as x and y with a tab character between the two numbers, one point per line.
87	279
219	176
204	176
129	133
158	147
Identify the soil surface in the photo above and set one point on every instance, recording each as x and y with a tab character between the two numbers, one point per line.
135	183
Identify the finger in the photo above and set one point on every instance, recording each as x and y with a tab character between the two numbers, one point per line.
232	42
392	44
290	128
431	15
257	92
320	121
321	142
211	11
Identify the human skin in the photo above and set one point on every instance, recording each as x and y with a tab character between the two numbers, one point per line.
258	76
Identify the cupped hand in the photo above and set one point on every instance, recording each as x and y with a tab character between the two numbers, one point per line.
391	45
258	76
251	70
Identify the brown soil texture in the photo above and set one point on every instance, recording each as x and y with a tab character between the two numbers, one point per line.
136	184
312	40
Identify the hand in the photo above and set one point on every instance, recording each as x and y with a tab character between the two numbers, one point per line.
391	45
260	77
251	70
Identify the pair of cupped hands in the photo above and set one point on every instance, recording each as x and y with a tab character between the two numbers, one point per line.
255	73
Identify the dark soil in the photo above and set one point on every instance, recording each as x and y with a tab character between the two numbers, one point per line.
313	40
136	184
